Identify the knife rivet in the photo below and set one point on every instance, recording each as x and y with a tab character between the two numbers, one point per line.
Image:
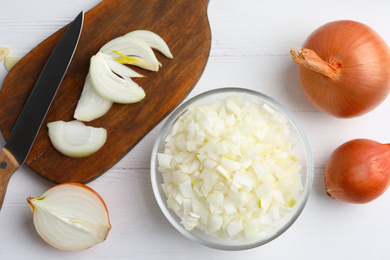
3	165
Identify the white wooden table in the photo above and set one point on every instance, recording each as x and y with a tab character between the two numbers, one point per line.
250	48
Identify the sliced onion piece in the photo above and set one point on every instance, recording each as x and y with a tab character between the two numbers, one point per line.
90	105
153	40
70	216
112	83
4	51
120	69
10	62
74	139
133	47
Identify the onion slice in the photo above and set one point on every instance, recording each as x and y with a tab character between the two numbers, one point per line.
113	83
109	80
4	51
153	40
134	47
90	105
122	70
74	139
10	62
70	216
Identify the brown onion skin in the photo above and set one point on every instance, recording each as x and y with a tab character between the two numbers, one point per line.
362	61
358	171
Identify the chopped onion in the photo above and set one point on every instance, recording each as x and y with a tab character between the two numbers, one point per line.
153	40
230	169
113	83
70	216
90	105
74	139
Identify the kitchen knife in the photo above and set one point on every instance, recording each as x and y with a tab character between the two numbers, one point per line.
30	119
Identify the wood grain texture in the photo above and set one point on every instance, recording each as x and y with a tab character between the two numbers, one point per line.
250	44
183	24
8	165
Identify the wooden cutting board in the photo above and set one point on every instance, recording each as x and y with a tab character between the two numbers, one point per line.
183	24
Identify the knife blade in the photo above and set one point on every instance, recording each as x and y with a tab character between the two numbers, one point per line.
26	128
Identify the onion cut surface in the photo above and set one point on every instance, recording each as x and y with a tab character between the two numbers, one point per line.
153	40
137	44
135	47
74	139
90	105
230	170
110	81
4	51
110	86
70	216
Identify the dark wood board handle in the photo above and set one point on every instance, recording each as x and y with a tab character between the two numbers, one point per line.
183	24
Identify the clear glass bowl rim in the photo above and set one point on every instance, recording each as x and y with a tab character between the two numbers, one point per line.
153	171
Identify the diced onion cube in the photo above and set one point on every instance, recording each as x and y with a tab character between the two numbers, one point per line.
230	169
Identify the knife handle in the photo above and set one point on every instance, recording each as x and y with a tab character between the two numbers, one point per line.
8	165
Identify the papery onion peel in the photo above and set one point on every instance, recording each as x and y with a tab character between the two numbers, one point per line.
344	68
358	171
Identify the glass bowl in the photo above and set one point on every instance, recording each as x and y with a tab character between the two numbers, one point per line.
296	136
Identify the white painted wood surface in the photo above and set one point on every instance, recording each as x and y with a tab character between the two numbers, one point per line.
250	44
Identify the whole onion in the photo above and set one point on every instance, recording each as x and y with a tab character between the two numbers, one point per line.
344	68
358	171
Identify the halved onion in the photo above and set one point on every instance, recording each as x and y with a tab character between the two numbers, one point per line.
90	105
70	216
112	83
153	40
74	139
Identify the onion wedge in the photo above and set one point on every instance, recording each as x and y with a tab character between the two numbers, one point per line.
90	105
4	51
133	47
70	216
122	70
10	62
112	83
153	40
74	139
